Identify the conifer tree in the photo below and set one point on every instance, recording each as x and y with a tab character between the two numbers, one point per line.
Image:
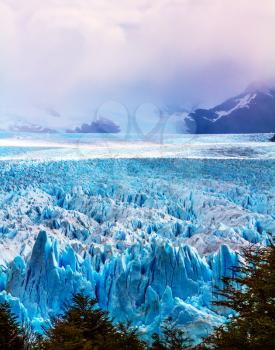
84	326
157	343
250	295
10	332
128	338
172	338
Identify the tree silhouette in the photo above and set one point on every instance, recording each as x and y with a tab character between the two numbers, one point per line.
10	333
84	326
173	338
250	294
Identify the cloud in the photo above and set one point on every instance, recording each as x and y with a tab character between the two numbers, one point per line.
73	55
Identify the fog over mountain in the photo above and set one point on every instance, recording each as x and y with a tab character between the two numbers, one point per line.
252	111
62	60
98	126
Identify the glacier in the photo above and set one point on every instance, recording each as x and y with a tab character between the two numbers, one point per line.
148	238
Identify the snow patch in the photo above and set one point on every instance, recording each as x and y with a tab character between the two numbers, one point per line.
243	102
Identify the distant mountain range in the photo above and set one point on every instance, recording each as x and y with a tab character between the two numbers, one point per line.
24	126
253	111
101	125
31	128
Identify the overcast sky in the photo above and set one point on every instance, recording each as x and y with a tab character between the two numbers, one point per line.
60	60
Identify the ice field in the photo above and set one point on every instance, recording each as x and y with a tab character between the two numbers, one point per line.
159	145
146	228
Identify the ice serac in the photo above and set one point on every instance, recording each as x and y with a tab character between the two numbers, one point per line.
48	280
144	286
145	247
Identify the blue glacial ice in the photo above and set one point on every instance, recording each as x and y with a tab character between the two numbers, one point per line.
149	238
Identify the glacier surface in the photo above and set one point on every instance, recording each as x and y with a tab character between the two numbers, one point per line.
149	238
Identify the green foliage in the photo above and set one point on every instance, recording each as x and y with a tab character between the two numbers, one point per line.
173	338
250	294
86	327
10	333
158	343
128	338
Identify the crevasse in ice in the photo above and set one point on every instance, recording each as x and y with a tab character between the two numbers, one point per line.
148	238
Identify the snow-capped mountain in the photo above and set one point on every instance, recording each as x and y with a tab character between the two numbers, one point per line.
253	111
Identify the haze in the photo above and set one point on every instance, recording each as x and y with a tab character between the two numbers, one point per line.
61	60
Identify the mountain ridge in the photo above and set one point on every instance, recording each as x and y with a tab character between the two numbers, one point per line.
252	111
